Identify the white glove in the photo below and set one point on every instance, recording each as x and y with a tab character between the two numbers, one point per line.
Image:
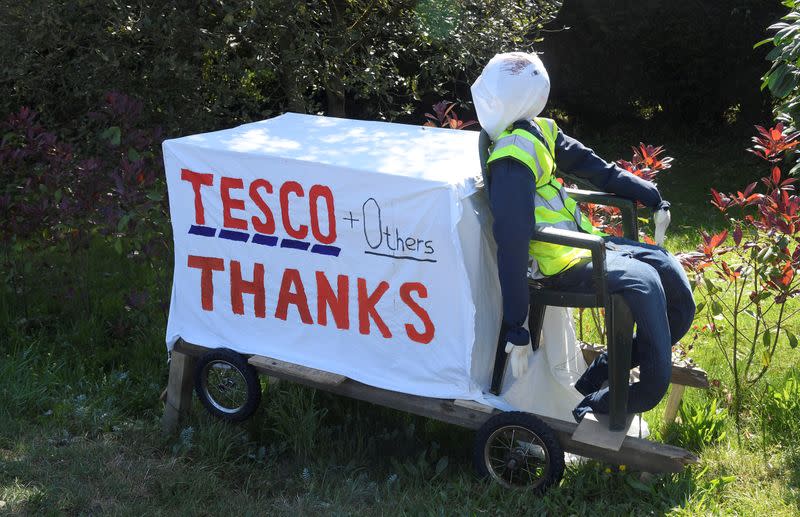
662	219
519	358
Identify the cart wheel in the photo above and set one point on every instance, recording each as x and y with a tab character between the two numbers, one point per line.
226	385
518	450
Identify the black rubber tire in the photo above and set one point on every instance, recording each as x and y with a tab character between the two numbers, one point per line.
248	374
545	438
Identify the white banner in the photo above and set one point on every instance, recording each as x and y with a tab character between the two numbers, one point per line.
328	243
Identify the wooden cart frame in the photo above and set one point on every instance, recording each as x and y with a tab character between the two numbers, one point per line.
635	453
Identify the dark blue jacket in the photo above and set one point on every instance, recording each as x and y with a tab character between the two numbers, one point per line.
511	192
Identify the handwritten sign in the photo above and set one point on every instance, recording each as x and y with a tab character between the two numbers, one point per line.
330	243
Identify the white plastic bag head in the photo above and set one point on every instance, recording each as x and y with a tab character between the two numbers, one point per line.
513	86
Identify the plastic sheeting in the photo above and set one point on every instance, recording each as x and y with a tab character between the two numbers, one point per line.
512	86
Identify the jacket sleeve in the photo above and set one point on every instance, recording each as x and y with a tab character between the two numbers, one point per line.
511	198
574	158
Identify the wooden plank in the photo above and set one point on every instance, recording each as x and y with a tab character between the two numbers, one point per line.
683	375
187	348
268	366
673	403
283	370
594	430
179	390
471	404
636	453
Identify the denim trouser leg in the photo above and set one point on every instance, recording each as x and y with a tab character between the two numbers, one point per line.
656	289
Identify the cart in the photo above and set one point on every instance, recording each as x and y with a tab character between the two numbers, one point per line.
430	242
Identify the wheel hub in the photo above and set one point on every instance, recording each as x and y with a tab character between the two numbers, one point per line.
516	458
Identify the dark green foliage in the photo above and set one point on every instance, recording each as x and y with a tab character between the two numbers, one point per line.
683	62
204	65
783	77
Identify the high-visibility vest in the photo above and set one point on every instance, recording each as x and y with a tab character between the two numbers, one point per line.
552	206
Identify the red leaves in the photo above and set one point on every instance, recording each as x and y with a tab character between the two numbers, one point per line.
646	157
606	218
446	117
712	242
729	274
720	201
777	210
740	200
782	280
737	235
787	274
646	161
771	143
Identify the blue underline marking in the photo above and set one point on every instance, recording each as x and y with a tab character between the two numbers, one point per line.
205	231
234	235
265	240
323	249
272	240
295	245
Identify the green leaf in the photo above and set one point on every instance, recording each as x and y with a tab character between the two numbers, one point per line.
792	338
155	196
777	26
133	155
762	42
716	308
766	338
113	134
700	307
781	81
123	222
118	246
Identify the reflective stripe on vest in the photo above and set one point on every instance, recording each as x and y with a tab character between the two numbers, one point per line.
552	207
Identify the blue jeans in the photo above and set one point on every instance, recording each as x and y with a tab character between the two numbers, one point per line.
655	288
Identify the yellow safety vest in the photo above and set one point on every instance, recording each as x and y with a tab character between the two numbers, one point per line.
552	206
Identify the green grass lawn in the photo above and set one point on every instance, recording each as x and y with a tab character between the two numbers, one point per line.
82	364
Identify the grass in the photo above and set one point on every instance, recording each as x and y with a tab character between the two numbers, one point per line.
82	365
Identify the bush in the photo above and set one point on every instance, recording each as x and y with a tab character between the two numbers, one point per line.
108	182
745	284
783	77
204	65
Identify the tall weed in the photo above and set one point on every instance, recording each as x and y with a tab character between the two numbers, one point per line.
25	380
296	418
702	424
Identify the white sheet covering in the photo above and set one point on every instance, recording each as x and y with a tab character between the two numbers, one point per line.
359	248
